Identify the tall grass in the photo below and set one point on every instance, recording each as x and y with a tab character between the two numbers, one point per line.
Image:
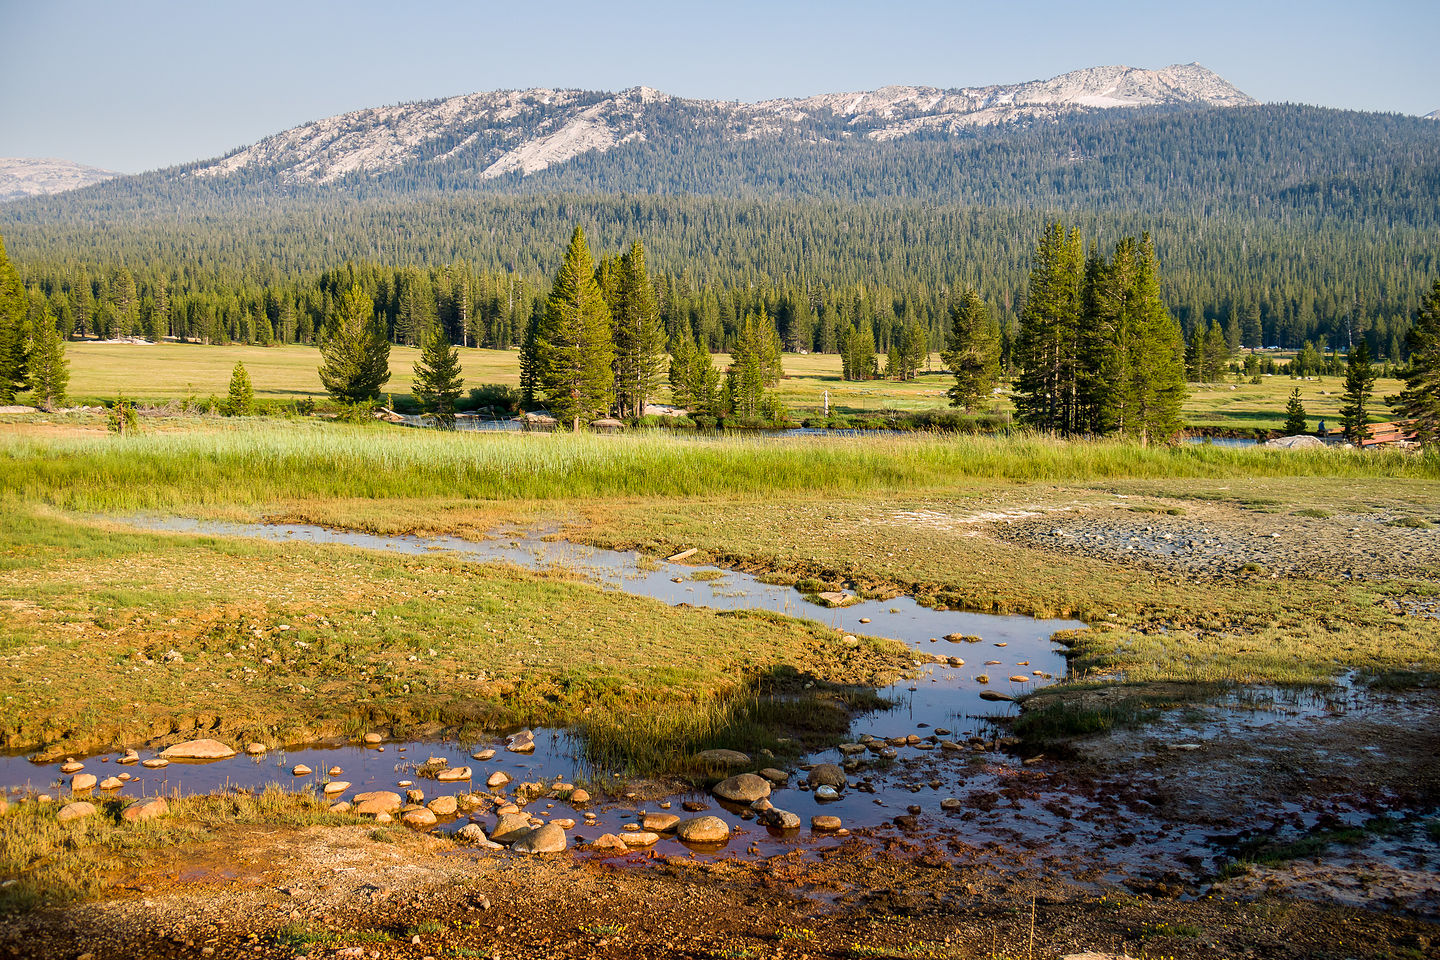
263	462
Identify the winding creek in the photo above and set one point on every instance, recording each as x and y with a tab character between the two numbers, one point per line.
1001	810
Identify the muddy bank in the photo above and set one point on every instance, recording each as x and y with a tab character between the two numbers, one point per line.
343	892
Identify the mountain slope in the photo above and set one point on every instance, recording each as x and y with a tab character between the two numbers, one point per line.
29	177
530	130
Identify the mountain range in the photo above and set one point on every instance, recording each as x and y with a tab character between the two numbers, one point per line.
525	131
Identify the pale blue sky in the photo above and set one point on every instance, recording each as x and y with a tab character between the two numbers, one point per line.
138	85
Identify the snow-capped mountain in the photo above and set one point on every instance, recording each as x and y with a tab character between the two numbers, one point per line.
28	177
529	130
1433	115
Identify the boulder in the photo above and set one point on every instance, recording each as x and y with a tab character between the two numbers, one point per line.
111	783
340	806
824	824
71	766
83	781
130	757
453	774
522	742
742	788
1297	442
825	775
836	598
579	796
996	696
659	822
147	809
497	779
300	770
486	754
443	806
723	758
155	763
547	839
198	750
510	827
774	775
640	838
336	786
703	830
372	739
473	835
376	802
75	811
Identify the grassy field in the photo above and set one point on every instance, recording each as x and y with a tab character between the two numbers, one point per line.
172	371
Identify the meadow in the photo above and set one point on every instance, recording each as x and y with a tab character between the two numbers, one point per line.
176	372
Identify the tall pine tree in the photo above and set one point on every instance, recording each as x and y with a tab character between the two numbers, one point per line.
354	349
574	349
1359	384
973	354
49	370
14	332
639	335
1048	348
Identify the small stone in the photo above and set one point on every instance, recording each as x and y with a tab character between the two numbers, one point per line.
75	811
376	802
703	830
641	838
497	779
659	822
147	809
336	786
778	819
130	757
334	772
607	842
522	742
414	796
826	775
579	795
453	774
486	754
72	766
950	804
473	835
111	783
510	827
824	824
443	806
254	749
374	738
155	763
827	793
300	770
340	806
693	806
83	781
419	817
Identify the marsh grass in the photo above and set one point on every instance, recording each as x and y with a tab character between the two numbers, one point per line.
263	462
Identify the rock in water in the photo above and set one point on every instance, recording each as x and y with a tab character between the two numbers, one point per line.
779	819
659	822
742	788
83	781
300	770
453	774
420	817
703	830
547	839
376	802
510	827
147	809
198	750
111	783
608	842
474	835
336	786
579	795
826	775
824	824
254	749
522	742
640	838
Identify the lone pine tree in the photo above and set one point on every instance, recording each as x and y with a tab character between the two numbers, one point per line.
639	334
437	378
354	349
49	369
973	353
1295	422
241	399
1359	384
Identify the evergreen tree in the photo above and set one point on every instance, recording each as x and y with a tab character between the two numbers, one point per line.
1295	422
1048	348
241	399
1419	401
14	332
745	377
639	334
354	349
574	349
49	369
528	346
438	382
1359	384
1157	383
973	356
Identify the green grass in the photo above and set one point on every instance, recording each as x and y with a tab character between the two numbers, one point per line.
170	371
261	462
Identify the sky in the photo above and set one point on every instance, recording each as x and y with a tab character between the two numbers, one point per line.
137	85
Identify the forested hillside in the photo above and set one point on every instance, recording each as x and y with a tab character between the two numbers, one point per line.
1285	224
